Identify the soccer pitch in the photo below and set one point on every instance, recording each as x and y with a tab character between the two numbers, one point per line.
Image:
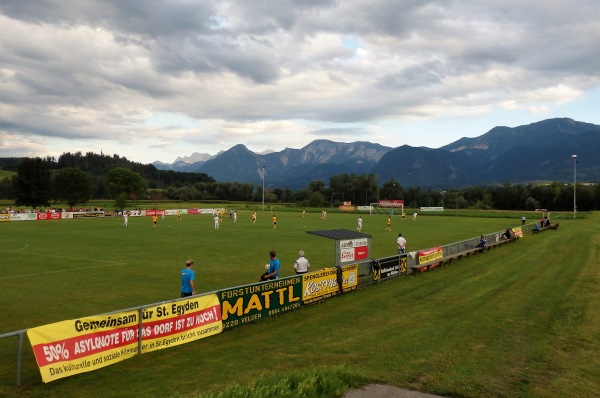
497	324
58	270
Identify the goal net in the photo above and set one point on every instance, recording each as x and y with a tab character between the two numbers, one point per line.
396	209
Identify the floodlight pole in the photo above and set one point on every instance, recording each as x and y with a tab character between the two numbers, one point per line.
574	157
263	188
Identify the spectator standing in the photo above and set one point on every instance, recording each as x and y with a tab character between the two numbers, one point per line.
401	244
187	279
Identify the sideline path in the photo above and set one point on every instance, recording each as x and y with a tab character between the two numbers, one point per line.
383	391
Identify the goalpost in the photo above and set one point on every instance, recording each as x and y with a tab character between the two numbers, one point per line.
376	208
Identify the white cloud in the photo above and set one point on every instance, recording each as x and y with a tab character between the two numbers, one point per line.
275	74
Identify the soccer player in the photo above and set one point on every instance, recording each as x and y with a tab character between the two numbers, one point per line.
359	224
389	224
254	218
274	222
154	220
179	215
125	218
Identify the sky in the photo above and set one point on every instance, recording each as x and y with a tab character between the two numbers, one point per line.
162	79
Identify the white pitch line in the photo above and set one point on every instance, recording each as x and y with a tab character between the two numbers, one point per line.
72	258
108	264
60	271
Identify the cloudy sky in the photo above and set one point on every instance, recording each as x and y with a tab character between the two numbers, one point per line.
154	80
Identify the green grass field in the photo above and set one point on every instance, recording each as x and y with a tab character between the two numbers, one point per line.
521	320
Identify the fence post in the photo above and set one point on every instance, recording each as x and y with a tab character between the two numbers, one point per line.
19	359
140	314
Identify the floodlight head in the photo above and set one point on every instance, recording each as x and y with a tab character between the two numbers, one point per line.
574	156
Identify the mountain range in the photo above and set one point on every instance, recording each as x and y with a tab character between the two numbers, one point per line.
538	152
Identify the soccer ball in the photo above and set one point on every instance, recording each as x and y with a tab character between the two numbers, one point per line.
267	266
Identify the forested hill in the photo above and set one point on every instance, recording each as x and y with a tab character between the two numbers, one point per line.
98	165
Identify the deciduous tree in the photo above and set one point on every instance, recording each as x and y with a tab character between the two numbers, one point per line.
32	183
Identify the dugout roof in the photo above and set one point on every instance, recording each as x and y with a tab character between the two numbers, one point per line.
339	234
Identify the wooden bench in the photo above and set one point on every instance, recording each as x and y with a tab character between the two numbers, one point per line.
499	243
416	268
555	226
464	253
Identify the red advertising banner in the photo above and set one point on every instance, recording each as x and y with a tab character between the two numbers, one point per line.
181	322
429	255
75	346
155	212
204	211
391	203
49	216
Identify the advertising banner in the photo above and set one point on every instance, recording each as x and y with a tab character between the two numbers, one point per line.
154	212
67	348
353	250
326	283
248	303
346	208
403	263
181	322
4	217
518	232
390	203
81	345
430	255
49	216
198	211
389	267
88	214
23	217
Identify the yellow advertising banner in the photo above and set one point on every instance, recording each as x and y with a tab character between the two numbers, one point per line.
4	217
76	346
325	283
67	348
181	322
518	232
429	255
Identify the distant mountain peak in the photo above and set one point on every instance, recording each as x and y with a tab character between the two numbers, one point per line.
193	158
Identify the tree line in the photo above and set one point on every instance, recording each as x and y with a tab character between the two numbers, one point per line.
76	179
